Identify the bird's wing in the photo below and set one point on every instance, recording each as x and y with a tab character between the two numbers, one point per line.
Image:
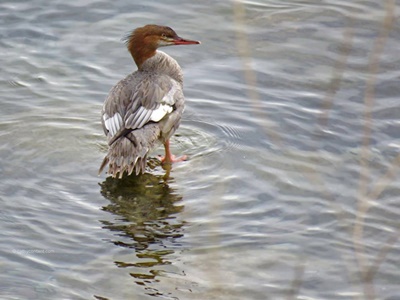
127	109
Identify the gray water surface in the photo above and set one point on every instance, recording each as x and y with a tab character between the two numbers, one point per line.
291	128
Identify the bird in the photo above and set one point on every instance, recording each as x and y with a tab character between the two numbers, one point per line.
145	108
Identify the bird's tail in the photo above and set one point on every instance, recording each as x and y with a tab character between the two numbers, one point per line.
129	153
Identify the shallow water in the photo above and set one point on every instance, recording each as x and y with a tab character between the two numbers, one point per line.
292	134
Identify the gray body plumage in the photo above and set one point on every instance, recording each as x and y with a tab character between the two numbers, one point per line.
141	111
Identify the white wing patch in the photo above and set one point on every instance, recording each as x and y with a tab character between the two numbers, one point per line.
166	104
160	112
113	124
142	115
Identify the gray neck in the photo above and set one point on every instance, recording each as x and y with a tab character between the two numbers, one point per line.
162	63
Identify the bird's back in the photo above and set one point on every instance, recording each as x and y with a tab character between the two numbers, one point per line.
141	110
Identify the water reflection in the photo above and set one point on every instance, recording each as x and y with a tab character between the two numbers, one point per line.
149	224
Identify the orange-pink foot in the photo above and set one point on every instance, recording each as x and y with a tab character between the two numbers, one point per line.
171	159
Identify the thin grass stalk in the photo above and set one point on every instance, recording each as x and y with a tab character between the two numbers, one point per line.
365	155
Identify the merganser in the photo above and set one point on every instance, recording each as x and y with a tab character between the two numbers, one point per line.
145	108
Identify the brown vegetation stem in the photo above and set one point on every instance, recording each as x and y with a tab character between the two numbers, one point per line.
373	68
242	46
338	71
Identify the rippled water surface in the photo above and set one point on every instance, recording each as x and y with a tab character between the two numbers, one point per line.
291	189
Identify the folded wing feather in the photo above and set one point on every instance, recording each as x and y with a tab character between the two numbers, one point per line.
152	100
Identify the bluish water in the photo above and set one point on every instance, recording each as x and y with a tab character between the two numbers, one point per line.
291	129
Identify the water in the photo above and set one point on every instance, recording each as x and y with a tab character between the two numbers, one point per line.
291	129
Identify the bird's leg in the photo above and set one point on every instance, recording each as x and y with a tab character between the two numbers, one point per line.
169	158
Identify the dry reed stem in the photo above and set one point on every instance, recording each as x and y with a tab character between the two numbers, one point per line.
364	197
243	49
380	258
386	179
334	86
363	201
338	71
297	279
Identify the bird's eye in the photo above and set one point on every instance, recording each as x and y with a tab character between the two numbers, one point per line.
163	35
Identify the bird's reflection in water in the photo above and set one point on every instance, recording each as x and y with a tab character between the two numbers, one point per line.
148	207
